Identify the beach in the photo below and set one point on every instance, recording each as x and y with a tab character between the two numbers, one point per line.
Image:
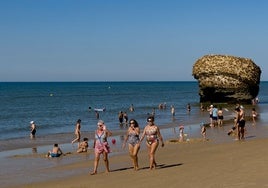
218	162
234	164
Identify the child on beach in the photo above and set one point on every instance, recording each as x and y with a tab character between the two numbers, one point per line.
232	130
181	135
56	151
254	115
83	146
203	131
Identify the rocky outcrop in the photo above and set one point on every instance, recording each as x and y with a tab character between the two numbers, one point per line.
224	78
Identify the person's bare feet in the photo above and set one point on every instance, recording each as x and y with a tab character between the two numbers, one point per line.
93	173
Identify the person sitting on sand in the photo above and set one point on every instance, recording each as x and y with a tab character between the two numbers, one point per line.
56	151
83	146
232	130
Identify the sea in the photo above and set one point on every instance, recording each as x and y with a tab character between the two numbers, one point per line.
56	106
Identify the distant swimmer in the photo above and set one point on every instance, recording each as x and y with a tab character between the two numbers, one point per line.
33	129
131	108
100	109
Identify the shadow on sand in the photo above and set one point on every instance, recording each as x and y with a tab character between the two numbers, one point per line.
159	166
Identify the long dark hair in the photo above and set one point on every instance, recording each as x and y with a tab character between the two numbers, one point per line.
135	122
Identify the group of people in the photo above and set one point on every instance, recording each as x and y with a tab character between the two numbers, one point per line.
133	139
151	132
215	115
123	117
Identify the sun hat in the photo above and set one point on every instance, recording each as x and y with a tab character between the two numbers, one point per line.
101	122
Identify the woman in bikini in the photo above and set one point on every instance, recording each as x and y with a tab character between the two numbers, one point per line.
132	137
101	147
77	132
153	135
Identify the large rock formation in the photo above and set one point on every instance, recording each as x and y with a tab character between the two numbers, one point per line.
225	78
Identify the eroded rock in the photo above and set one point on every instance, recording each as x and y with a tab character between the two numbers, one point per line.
224	78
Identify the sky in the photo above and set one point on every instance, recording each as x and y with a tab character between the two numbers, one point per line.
126	40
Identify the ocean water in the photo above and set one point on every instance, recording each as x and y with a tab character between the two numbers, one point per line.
56	106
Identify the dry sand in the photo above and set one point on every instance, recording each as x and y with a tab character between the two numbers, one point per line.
195	164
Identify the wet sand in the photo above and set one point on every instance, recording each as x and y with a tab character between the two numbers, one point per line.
218	162
234	164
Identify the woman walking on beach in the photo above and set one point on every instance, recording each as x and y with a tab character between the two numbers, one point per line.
77	132
152	133
101	147
132	137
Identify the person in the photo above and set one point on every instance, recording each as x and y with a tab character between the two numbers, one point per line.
214	116
77	132
125	116
210	114
202	108
188	107
83	146
132	137
254	115
181	135
105	127
56	151
120	117
101	146
131	108
240	122
232	130
33	129
220	117
152	133
97	114
203	131
172	109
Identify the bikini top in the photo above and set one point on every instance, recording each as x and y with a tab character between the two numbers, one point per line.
102	138
151	132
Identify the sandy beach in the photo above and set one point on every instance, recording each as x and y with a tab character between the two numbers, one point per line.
219	162
189	164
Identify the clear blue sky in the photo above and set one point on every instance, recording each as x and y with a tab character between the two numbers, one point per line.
126	40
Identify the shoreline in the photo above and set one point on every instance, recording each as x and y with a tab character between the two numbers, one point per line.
31	163
81	164
186	165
